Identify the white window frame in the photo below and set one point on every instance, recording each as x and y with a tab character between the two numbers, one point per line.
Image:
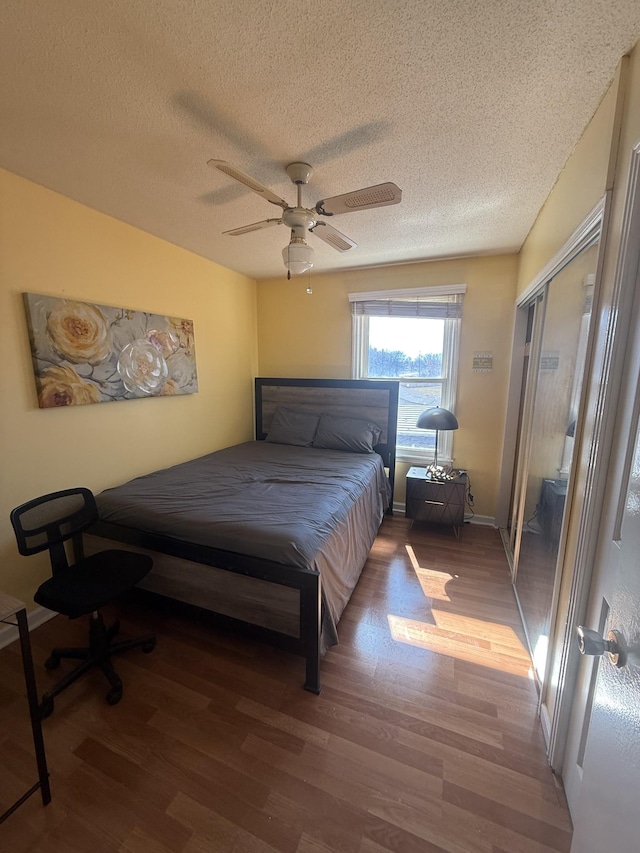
450	358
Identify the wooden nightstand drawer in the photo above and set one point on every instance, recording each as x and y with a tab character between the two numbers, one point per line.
435	501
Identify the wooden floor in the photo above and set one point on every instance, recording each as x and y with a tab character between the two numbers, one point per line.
425	737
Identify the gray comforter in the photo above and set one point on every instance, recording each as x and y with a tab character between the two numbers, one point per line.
306	507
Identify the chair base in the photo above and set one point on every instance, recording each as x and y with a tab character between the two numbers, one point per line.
99	653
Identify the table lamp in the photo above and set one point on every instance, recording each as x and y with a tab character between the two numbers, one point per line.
437	419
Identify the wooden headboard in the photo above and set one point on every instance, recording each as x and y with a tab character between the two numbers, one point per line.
369	399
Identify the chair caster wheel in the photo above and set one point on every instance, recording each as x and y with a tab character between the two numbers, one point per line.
114	695
52	662
149	646
46	707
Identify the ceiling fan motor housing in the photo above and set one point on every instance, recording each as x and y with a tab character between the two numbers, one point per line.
299	173
299	217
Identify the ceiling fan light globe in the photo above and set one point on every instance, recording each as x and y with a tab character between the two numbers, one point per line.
298	267
297	257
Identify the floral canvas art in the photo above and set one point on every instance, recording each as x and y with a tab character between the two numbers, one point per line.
87	353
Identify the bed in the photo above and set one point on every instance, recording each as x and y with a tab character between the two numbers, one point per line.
272	533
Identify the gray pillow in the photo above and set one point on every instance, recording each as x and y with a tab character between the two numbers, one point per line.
289	426
336	433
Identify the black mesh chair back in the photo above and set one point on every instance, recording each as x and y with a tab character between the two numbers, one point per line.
47	522
79	585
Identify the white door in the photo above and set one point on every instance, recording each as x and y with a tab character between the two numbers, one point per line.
607	813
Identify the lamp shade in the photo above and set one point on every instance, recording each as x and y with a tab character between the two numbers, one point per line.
437	418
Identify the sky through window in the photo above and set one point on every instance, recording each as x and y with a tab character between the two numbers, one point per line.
411	336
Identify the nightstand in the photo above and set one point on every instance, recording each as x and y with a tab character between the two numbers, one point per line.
436	501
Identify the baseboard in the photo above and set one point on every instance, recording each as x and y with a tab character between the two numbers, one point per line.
485	520
35	618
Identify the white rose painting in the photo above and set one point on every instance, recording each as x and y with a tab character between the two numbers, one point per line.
86	353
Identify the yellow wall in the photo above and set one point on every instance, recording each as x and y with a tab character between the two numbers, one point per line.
305	335
629	138
51	245
587	176
580	186
599	165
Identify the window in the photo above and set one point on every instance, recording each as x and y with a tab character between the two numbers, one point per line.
413	336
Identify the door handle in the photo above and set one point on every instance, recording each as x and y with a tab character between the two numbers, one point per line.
591	643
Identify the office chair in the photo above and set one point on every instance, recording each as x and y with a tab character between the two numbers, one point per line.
81	587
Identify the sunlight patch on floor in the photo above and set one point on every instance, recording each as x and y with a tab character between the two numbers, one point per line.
432	583
510	657
497	634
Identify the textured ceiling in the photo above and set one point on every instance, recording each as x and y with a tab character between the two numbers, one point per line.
472	108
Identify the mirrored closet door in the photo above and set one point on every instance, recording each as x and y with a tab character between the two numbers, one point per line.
558	316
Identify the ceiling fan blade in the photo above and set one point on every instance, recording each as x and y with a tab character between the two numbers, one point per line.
248	181
328	234
378	196
256	226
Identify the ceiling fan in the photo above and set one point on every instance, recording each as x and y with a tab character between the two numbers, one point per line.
298	255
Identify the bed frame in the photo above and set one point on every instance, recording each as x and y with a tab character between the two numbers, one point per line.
360	398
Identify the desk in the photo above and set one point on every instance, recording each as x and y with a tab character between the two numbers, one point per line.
13	612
